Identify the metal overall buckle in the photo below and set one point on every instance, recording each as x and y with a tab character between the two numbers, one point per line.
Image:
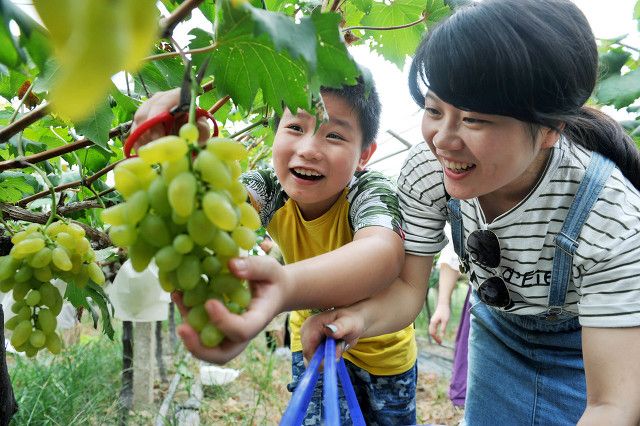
553	313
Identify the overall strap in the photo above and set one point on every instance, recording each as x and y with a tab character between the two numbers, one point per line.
595	176
457	231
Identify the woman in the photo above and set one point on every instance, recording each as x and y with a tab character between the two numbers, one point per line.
543	197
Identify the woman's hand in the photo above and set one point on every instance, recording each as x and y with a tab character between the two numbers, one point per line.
268	285
341	324
439	321
157	104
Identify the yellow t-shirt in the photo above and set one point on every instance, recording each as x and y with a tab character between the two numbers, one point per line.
369	200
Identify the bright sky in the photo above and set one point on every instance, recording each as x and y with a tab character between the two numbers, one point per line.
608	19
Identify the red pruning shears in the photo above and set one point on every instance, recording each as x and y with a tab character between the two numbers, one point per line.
168	118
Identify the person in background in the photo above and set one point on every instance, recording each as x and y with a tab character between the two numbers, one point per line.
449	265
276	332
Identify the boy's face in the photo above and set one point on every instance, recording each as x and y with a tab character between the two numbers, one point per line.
315	167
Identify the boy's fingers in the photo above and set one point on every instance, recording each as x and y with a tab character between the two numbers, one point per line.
237	328
176	297
221	354
254	268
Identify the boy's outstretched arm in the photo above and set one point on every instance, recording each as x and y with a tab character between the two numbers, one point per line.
388	311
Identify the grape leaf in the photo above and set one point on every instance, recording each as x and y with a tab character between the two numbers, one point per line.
14	186
9	55
335	66
244	64
619	90
10	82
611	62
97	124
363	5
156	76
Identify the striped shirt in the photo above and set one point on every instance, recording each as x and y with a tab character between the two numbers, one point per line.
605	285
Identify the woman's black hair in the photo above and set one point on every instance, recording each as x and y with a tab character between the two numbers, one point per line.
534	60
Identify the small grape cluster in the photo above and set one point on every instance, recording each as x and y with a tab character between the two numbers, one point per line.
40	254
186	209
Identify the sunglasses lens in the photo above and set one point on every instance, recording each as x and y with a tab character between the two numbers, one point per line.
494	292
484	248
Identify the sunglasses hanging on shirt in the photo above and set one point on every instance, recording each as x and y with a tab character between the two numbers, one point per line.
484	248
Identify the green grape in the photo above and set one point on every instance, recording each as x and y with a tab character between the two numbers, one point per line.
37	339
158	197
66	240
154	231
95	273
54	228
168	258
172	168
43	274
238	192
6	285
211	265
19	236
198	317
233	307
244	237
189	132
82	278
183	243
20	290
115	215
177	219
76	263
211	336
21	333
41	259
24	273
32	298
227	149
26	247
29	350
195	296
241	295
127	183
219	211
234	168
123	235
12	323
8	266
249	216
53	343
140	254
163	149
137	207
46	321
60	259
224	245
24	313
76	230
168	280
200	229
226	283
182	192
188	272
140	169
15	308
212	170
82	245
89	256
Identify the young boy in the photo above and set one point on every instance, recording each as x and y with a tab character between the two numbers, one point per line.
339	229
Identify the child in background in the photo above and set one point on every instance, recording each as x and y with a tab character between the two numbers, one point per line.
339	229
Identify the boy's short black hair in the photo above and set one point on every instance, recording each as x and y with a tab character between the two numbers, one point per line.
363	99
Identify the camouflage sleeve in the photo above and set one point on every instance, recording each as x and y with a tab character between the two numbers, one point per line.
265	193
373	202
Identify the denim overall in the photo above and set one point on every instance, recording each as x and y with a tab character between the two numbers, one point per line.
528	369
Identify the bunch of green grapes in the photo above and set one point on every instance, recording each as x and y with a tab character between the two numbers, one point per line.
186	209
40	254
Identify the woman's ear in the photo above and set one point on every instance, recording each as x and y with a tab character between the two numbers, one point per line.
365	156
550	136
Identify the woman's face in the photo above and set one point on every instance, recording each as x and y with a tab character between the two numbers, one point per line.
483	155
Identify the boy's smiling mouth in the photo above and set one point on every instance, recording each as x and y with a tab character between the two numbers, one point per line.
306	174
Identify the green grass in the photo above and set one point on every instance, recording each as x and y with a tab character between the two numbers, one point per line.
79	386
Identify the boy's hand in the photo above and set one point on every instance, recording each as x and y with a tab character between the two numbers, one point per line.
268	283
439	321
157	104
341	324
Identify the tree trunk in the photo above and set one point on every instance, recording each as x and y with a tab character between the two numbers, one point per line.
8	404
126	391
159	360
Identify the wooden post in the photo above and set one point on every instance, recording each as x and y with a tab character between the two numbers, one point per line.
172	326
159	361
143	364
8	404
126	391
